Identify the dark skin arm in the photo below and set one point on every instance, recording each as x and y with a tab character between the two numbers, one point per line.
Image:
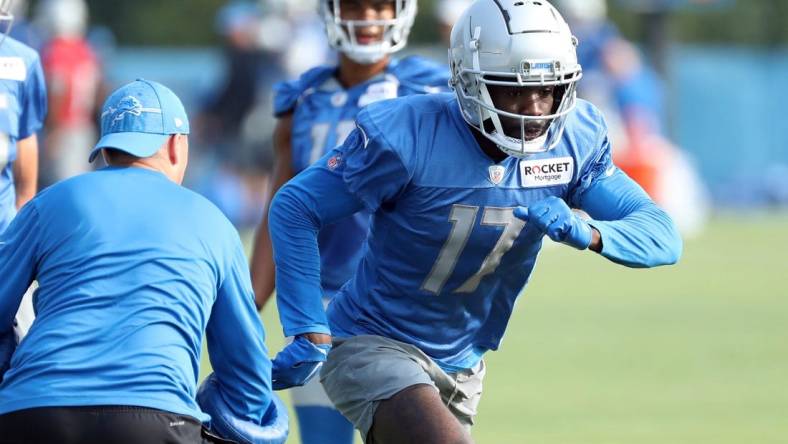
262	267
596	241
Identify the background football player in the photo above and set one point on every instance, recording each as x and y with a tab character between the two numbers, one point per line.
23	108
23	96
463	187
315	114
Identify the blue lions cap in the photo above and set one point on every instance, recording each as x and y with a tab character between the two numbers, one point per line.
139	117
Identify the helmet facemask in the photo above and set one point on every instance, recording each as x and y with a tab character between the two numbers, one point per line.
342	33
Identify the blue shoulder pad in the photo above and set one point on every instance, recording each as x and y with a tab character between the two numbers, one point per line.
273	429
587	131
393	124
421	75
288	93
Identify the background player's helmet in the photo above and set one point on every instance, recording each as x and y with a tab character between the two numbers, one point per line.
342	37
582	11
63	18
513	43
6	18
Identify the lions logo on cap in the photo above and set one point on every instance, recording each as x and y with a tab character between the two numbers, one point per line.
127	105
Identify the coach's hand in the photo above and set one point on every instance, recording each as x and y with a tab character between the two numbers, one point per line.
298	362
553	217
273	428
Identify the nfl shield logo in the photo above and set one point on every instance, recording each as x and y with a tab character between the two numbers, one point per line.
496	173
333	162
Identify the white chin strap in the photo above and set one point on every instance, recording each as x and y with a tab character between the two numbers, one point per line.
368	54
535	145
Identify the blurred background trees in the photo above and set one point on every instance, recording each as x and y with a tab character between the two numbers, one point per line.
190	22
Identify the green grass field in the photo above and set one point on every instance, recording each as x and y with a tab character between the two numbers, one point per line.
597	353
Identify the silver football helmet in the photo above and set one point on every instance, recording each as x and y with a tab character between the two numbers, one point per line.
516	43
342	33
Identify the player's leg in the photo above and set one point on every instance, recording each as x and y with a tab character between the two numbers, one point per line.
318	421
416	415
364	372
458	394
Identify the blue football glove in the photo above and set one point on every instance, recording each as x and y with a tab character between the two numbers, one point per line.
273	429
297	363
8	344
553	217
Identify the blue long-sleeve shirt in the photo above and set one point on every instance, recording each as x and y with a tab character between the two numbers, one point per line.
445	258
132	269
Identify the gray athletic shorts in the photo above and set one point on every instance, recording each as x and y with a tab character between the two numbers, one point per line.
363	370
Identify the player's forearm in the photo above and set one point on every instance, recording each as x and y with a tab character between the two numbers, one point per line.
293	230
633	230
313	199
645	238
23	194
26	170
262	265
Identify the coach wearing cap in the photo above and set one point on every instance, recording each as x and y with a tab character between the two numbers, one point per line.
132	269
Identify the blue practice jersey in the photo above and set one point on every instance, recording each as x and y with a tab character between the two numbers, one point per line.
445	256
324	114
23	104
131	269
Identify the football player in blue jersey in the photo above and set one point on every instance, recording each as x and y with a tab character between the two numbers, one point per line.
462	189
315	114
23	105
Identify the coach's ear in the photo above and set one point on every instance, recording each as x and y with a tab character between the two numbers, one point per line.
178	155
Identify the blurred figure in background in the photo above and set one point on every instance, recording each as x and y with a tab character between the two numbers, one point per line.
447	12
315	113
264	42
238	24
238	155
293	29
23	107
73	75
632	96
